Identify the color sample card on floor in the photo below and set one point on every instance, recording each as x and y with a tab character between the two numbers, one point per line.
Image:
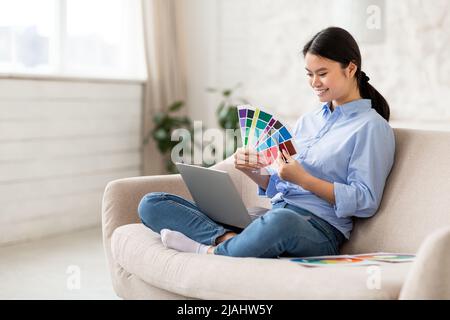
263	132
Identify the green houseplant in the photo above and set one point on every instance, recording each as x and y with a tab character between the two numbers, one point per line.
164	123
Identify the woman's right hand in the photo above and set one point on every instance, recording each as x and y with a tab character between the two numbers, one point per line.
247	159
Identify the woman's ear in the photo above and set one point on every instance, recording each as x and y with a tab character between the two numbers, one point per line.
351	69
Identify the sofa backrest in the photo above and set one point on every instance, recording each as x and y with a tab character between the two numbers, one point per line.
416	198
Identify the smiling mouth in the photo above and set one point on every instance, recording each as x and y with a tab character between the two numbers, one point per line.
320	92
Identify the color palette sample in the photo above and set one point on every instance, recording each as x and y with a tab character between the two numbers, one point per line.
354	260
329	261
263	132
387	257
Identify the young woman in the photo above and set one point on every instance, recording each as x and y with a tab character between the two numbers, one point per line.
346	151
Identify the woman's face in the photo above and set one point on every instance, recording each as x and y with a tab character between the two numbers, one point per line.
327	78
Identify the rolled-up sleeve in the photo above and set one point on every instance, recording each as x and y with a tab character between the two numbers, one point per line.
271	186
370	164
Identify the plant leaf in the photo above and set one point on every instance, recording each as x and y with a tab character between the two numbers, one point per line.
176	105
158	118
160	135
227	92
220	108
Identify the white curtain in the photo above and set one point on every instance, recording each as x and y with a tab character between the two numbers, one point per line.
164	50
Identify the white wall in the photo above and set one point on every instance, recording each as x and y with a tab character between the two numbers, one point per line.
201	36
60	143
258	42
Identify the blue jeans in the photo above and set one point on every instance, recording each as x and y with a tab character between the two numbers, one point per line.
285	230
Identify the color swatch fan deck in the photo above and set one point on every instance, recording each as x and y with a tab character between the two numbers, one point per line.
264	132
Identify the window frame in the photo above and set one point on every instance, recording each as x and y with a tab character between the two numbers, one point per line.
57	70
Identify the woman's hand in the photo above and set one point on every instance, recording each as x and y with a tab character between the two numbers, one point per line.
252	164
247	159
291	170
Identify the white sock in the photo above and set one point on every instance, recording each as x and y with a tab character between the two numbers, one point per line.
178	241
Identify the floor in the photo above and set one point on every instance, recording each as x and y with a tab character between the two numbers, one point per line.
72	266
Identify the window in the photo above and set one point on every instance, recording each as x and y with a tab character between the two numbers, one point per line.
87	38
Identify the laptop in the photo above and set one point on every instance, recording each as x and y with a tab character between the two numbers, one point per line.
216	196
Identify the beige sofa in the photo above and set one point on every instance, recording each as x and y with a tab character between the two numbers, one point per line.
414	217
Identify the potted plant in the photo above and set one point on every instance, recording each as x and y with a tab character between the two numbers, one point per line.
164	123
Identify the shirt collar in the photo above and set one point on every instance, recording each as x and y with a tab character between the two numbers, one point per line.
355	106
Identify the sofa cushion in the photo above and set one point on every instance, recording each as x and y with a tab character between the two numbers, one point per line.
140	251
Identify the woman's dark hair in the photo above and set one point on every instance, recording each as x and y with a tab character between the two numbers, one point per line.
338	45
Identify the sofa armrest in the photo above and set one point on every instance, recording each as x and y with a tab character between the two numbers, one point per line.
121	198
429	277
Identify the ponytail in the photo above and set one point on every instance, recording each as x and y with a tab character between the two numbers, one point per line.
367	91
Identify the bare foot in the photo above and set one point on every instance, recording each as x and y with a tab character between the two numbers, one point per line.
226	236
211	250
222	238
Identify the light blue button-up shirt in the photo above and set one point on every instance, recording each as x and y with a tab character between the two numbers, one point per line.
353	148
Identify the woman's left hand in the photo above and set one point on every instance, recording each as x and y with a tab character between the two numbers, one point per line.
291	170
